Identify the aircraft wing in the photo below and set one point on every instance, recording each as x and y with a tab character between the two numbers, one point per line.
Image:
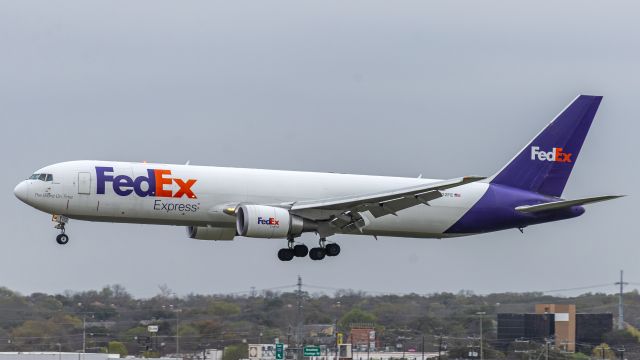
344	212
555	205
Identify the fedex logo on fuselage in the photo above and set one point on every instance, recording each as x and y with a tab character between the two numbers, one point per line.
555	155
157	183
269	221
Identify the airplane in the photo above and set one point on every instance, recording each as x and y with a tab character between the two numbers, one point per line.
218	203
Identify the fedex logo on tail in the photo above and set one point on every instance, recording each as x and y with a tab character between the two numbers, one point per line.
555	155
269	221
157	183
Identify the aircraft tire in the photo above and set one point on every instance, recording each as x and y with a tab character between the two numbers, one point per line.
300	250
285	254
317	253
62	239
332	249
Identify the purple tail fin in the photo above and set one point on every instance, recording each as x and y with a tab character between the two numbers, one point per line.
544	165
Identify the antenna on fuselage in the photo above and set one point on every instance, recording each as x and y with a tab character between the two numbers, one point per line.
188	161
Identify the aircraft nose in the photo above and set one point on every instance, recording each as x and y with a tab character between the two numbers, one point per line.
21	191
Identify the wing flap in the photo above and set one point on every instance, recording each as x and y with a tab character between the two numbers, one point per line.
555	205
424	192
349	213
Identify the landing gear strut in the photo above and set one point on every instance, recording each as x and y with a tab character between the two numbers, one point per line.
291	251
61	221
318	253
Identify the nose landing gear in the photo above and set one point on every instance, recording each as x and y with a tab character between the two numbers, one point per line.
61	221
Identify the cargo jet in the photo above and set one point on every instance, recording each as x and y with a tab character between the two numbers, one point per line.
216	203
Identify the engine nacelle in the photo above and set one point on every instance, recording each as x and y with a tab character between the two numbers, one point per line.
211	233
261	221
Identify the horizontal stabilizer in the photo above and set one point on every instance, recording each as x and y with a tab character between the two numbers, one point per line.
555	205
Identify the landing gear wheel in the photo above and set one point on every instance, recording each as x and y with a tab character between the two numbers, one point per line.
62	239
317	253
300	250
332	249
285	254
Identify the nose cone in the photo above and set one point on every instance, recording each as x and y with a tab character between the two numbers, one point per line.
21	191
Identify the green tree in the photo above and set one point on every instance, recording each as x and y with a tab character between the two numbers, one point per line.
151	354
355	316
603	349
620	337
116	347
223	308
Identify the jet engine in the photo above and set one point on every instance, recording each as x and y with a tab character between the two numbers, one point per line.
262	221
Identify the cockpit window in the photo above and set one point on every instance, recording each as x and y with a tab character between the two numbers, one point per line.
42	177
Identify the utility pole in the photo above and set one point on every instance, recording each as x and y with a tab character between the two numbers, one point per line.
548	344
440	343
422	346
299	320
440	347
621	302
84	333
335	330
482	314
178	331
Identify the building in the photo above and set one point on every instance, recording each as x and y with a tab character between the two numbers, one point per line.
363	336
564	324
536	327
557	323
590	328
320	334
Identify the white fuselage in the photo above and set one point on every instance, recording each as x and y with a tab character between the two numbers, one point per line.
77	191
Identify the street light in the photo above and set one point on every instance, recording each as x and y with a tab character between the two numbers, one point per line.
177	311
482	314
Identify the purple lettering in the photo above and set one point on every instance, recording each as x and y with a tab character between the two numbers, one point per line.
102	178
120	182
151	184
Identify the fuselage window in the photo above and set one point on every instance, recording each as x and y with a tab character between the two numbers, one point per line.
34	177
49	177
42	177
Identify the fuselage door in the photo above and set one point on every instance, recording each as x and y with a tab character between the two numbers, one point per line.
84	183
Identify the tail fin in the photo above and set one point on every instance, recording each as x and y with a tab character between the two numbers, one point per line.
544	165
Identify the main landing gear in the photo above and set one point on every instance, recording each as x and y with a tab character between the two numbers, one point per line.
291	251
61	221
301	250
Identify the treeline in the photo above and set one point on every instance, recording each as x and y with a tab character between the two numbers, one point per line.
112	318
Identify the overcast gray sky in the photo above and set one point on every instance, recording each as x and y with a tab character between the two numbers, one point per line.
396	88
